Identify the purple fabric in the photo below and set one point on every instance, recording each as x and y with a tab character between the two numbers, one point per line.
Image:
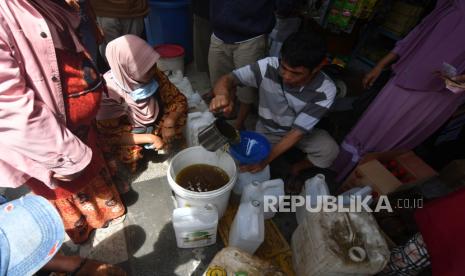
413	104
397	119
437	39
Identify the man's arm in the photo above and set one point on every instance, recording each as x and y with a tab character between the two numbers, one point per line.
287	142
225	88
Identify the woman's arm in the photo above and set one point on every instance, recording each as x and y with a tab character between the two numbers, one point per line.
371	77
140	139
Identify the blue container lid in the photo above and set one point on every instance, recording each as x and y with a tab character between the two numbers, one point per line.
252	149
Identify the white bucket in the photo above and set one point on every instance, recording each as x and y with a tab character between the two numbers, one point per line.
199	155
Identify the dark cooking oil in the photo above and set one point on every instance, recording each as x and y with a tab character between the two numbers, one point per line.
202	178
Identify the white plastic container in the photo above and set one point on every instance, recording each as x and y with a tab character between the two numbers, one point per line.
245	178
361	192
248	227
332	244
314	187
195	226
196	121
257	190
199	155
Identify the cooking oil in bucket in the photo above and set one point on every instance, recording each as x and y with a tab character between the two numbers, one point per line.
202	178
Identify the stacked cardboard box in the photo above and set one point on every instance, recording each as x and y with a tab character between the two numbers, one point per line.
386	172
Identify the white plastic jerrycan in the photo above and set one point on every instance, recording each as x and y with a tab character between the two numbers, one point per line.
196	121
314	187
338	244
353	193
245	178
258	190
195	226
248	227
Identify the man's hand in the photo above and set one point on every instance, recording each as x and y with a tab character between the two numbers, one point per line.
221	103
253	168
224	91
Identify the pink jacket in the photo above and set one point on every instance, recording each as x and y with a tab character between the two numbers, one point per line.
34	140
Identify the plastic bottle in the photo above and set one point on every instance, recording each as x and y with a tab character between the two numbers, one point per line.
245	178
361	192
257	190
314	187
195	226
248	227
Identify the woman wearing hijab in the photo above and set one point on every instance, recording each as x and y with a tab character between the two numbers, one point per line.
142	105
417	100
49	95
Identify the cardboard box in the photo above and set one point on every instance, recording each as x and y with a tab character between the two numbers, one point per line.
415	166
374	174
374	170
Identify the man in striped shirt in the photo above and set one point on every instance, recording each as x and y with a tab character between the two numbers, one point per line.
293	96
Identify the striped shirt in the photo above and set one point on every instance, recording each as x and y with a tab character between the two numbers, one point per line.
283	108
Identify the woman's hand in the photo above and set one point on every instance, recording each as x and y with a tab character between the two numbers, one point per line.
456	84
156	141
371	77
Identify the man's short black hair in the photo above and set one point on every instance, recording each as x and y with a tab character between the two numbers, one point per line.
306	49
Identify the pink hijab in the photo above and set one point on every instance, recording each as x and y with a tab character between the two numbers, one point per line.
130	58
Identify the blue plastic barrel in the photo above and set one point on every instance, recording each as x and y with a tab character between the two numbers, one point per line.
170	22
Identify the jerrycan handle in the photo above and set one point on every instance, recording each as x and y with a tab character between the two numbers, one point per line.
254	223
195	115
272	183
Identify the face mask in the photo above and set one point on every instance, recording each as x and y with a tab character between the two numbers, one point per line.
144	91
140	93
